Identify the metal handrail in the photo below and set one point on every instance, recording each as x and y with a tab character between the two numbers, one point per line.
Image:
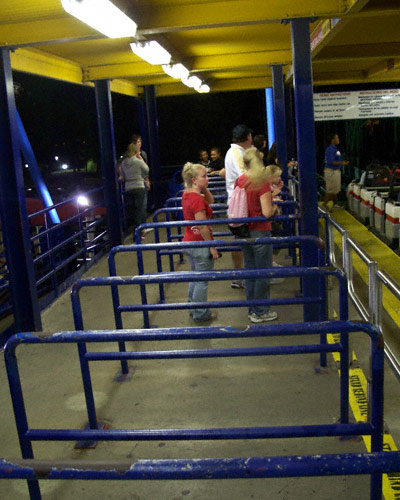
376	278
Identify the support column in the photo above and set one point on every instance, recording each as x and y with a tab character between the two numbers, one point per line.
290	141
108	160
154	145
280	119
305	133
15	226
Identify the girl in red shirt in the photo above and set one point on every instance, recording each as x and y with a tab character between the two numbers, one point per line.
259	202
196	201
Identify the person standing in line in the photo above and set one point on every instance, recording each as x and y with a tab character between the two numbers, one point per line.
217	162
137	139
332	172
259	202
241	140
204	159
134	171
196	200
260	142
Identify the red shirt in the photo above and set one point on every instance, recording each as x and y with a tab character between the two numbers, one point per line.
191	204
253	194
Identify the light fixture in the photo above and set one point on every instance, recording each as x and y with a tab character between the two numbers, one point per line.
151	51
103	16
203	89
192	81
177	71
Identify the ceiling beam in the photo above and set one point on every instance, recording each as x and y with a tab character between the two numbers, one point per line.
360	51
42	32
383	67
36	62
200	64
225	85
169	18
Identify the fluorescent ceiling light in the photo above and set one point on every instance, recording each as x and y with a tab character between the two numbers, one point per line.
203	89
152	52
177	71
192	81
103	16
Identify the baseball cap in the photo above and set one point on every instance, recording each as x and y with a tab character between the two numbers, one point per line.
240	132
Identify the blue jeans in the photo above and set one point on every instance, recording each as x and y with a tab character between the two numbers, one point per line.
199	259
256	256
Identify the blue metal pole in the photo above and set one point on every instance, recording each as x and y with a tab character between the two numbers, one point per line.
154	144
15	227
377	384
270	116
303	94
280	119
85	370
290	142
116	303
108	160
34	170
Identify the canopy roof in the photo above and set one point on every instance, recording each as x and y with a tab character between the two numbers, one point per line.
230	44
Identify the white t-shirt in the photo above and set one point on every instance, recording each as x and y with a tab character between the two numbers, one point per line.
233	167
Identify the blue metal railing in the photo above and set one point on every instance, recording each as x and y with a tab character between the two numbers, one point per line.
60	250
220	467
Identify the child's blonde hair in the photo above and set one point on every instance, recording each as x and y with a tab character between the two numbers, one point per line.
254	167
190	171
273	171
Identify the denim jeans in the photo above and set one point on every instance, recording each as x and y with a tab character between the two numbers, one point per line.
199	259
256	256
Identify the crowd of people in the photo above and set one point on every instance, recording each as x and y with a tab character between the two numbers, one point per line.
249	165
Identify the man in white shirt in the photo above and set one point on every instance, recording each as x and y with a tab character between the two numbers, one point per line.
241	139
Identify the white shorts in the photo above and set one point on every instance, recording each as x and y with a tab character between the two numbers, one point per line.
333	180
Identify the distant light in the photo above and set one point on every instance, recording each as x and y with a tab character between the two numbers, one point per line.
103	16
82	200
177	71
56	158
29	189
26	165
151	51
64	166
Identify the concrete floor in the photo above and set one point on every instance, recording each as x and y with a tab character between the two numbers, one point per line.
222	392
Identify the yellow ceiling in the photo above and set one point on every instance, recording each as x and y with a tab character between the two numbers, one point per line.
230	44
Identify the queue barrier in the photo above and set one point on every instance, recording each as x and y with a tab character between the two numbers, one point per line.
223	245
212	222
317	302
208	468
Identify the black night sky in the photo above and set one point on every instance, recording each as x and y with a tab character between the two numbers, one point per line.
60	119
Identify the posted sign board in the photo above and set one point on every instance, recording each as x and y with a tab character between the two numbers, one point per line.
357	104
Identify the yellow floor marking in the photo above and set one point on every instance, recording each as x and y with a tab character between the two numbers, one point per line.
358	396
387	260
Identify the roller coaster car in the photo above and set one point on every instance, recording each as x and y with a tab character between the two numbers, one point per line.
392	208
375	182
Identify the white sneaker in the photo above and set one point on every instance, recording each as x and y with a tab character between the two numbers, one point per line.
269	316
275	264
